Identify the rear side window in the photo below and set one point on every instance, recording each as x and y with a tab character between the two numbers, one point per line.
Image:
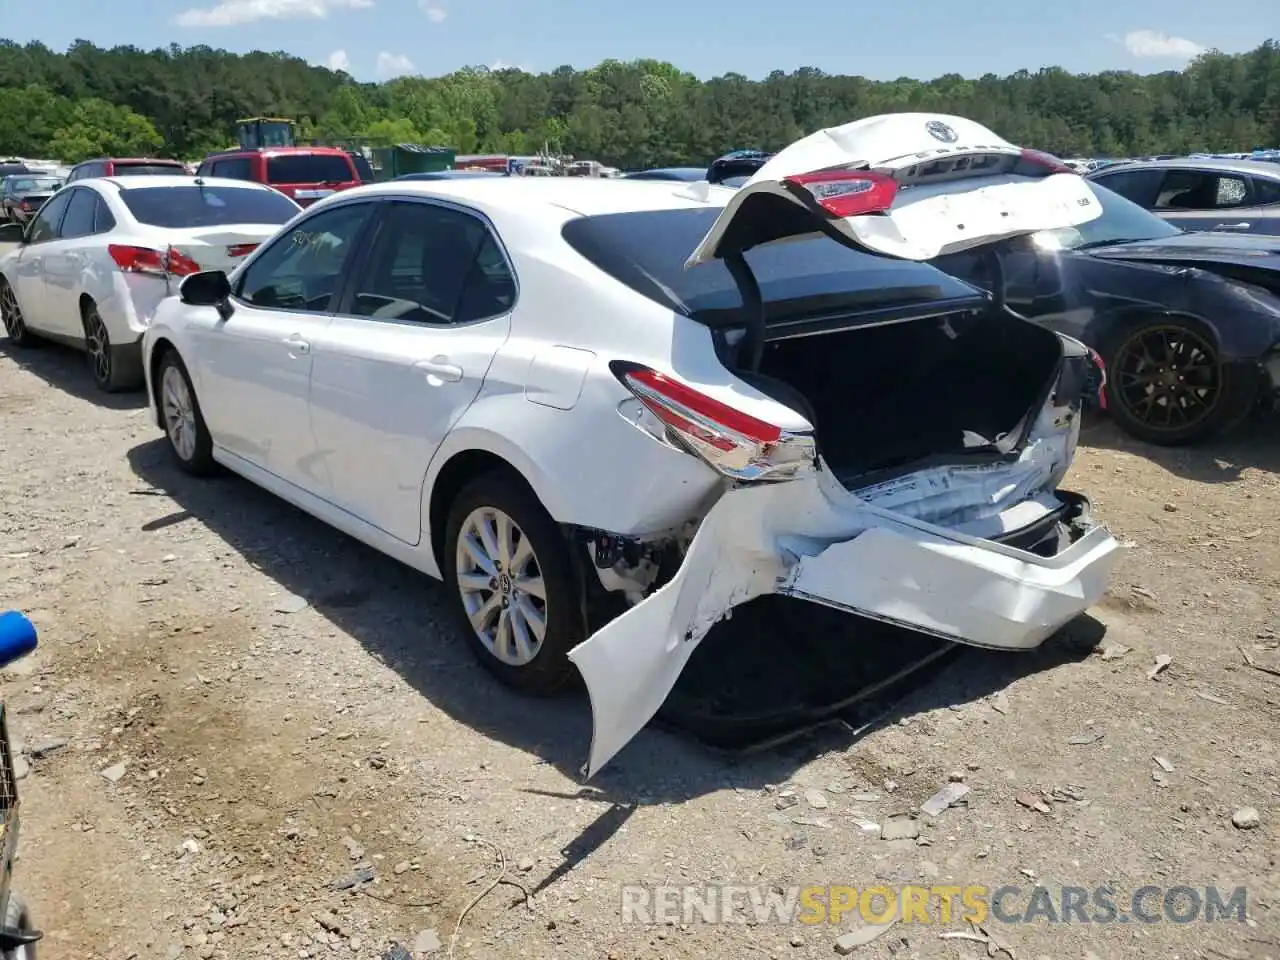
647	250
236	168
146	169
435	265
310	168
1194	190
78	221
362	168
196	206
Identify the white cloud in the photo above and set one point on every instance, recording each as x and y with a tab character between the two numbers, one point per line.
1153	43
231	13
435	13
338	60
393	65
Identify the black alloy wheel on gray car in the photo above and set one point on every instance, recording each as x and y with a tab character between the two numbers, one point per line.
15	327
1167	384
514	585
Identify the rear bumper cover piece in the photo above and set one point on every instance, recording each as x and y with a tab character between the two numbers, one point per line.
810	539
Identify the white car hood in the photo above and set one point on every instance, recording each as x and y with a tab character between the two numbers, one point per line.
937	210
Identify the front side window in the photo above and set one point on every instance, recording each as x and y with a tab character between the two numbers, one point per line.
434	264
1266	192
302	269
45	225
1140	186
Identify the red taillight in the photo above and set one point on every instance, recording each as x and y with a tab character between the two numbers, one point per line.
1042	164
158	263
847	193
735	443
241	249
1102	377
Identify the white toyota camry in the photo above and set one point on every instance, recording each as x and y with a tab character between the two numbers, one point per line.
90	268
607	413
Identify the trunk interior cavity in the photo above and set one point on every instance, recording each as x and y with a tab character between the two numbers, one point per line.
885	398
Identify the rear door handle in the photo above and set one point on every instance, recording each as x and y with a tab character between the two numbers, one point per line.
296	343
440	367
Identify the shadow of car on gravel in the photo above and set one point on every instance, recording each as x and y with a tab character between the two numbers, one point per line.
401	618
67	369
1253	444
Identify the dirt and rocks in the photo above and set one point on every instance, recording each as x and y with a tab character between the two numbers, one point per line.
245	736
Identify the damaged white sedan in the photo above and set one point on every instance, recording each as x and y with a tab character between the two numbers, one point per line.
643	404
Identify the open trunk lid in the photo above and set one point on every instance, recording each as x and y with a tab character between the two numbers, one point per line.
907	185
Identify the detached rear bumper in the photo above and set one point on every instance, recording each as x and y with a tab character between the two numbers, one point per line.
807	540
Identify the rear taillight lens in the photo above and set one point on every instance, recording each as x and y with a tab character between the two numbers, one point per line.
241	249
168	262
1101	381
1033	163
737	444
846	193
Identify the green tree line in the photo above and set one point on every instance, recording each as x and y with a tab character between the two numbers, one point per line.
183	102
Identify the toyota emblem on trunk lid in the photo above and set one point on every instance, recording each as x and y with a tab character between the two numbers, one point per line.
940	131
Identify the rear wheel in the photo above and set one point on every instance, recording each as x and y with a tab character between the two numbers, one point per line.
514	585
15	327
109	374
1167	384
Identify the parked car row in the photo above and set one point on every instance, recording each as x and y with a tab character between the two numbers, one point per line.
607	413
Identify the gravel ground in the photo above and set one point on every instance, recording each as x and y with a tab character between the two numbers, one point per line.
236	711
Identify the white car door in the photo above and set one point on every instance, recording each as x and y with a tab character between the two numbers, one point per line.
28	276
65	261
254	366
406	356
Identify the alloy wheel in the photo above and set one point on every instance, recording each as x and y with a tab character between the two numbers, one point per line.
11	314
1168	377
99	345
179	412
501	586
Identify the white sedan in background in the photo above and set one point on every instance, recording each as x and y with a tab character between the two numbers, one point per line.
608	413
90	269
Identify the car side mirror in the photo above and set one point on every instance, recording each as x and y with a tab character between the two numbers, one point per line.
210	288
13	233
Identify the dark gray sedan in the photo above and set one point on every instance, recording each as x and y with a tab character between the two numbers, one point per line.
1240	196
24	193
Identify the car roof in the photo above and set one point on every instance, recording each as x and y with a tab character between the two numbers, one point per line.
1226	165
578	195
125	184
168	161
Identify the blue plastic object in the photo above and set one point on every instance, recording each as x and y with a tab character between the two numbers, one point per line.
17	637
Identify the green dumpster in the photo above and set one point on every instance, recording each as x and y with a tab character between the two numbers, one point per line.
392	162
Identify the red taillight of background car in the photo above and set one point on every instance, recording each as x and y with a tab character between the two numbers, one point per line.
168	262
846	193
735	443
241	249
1037	163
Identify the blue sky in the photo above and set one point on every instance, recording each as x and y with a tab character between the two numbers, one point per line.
375	39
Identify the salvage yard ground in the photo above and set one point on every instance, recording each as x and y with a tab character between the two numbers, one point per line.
236	710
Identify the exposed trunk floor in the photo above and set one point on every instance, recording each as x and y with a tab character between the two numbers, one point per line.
782	667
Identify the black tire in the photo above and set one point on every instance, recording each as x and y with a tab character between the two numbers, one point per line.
107	365
18	917
1227	392
199	461
549	670
11	318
